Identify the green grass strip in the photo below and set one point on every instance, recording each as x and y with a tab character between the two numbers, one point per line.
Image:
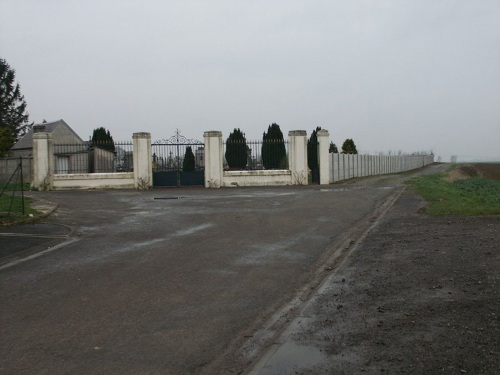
14	204
471	197
11	205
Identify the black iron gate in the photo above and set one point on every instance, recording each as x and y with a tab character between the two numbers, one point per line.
178	161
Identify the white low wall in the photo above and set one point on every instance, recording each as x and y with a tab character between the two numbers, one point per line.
44	177
257	178
346	166
216	177
123	180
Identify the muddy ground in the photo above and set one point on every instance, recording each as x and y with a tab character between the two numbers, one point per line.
418	295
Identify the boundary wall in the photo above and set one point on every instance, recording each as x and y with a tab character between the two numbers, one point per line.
332	167
216	176
345	166
44	177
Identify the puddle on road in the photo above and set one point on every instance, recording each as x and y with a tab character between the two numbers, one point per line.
291	357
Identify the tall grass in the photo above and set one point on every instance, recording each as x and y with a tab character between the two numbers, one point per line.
470	197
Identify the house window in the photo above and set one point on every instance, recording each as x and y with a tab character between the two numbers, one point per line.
62	164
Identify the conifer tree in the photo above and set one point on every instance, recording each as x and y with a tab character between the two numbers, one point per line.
273	148
188	164
236	150
102	138
349	147
13	116
312	149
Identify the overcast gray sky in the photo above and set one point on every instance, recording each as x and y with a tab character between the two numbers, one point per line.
391	74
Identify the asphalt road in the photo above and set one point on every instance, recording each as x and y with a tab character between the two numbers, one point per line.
171	281
23	242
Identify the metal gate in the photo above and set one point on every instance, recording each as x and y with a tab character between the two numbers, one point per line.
178	161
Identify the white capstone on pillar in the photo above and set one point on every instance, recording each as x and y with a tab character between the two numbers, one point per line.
213	159
298	156
143	161
43	167
323	155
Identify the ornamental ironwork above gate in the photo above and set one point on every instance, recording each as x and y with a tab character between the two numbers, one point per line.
177	139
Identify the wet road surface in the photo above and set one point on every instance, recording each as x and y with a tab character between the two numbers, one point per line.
153	284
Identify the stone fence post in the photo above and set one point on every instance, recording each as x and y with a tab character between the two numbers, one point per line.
43	165
323	156
213	159
297	140
143	160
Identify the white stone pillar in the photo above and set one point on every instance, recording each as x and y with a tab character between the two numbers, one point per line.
43	166
323	154
143	161
213	159
297	140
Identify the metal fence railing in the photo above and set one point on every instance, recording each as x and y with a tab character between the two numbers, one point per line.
255	155
88	157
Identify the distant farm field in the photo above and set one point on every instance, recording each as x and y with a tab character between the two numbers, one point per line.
490	171
468	190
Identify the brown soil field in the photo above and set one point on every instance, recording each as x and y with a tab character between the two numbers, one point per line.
491	171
